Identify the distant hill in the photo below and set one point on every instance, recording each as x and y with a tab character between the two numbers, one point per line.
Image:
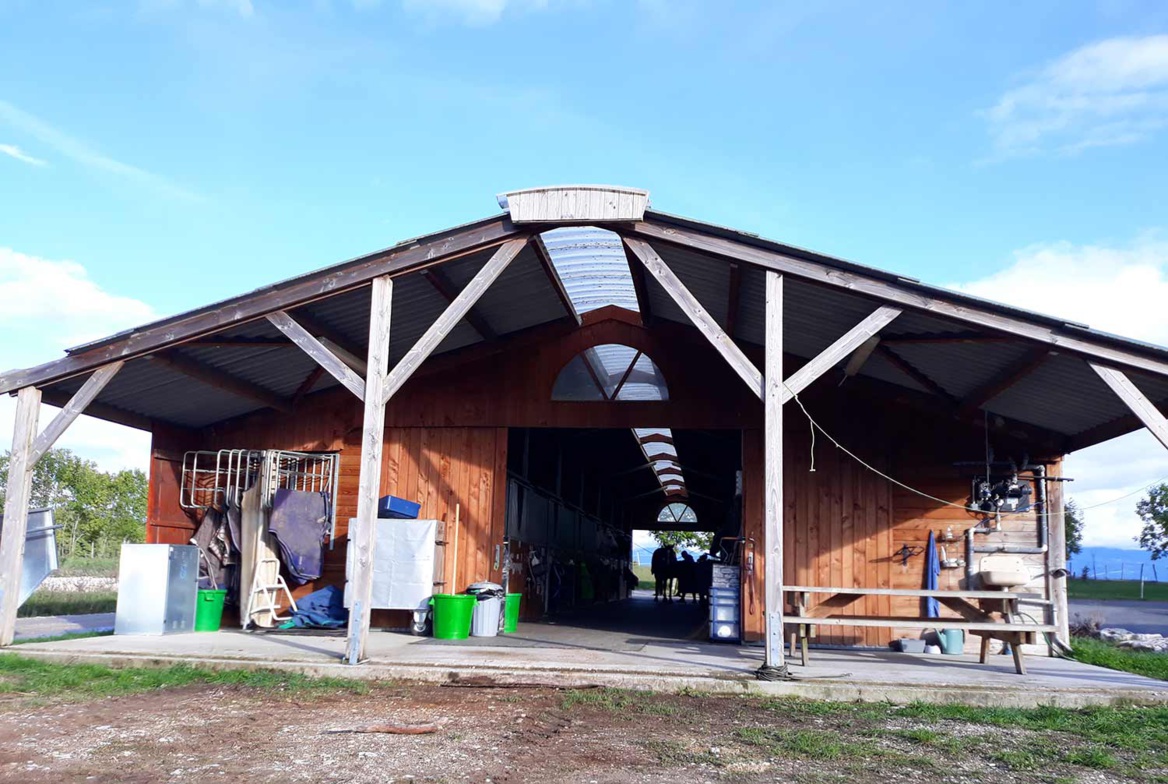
1114	563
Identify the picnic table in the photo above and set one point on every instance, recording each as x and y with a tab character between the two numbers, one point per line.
989	614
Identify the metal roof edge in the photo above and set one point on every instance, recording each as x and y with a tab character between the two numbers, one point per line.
365	257
935	291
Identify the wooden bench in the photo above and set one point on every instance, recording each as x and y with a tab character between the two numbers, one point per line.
993	617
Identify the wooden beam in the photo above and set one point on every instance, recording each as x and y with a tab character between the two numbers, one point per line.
656	439
401	259
352	360
307	384
73	409
773	474
1070	338
913	372
1013	373
860	356
101	411
328	334
16	503
215	377
451	316
625	377
363	531
640	288
1135	400
318	352
701	318
445	286
837	351
735	299
549	268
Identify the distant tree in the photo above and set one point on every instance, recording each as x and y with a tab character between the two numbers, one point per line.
1073	524
698	541
97	511
1153	510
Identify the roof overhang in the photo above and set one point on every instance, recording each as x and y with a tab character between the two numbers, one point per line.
970	355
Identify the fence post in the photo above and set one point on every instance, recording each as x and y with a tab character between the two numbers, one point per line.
1141	581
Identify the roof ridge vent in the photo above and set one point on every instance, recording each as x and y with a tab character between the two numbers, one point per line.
575	204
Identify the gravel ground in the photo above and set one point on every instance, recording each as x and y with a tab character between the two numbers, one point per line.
216	733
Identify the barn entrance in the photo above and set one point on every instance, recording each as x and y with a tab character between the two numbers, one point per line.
586	509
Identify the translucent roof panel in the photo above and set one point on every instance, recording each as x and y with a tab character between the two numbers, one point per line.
677	512
592	264
610	372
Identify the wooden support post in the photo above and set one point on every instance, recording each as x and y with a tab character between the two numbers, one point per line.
773	473
450	317
701	318
1056	553
16	502
320	353
363	530
71	410
1134	399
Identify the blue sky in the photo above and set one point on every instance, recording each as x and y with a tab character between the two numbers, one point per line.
157	155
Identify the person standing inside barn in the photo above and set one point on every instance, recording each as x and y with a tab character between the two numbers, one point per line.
662	566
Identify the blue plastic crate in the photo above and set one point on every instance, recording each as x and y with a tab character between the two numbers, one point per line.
392	507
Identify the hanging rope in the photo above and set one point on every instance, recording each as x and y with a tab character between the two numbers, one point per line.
816	426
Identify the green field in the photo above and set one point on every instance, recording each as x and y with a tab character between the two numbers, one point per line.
1116	589
645	575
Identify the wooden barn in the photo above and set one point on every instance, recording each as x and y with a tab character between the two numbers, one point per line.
577	367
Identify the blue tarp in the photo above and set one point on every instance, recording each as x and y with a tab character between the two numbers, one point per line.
323	609
932	572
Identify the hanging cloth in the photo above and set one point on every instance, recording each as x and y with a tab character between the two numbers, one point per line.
299	521
932	571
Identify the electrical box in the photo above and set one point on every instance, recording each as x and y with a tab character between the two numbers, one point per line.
157	589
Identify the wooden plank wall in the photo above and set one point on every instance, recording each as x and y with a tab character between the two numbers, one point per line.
436	467
843	523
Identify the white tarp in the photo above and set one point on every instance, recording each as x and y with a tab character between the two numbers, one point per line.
403	564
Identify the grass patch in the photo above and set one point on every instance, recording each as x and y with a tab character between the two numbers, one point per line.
1116	589
1105	654
63	637
645	576
32	677
43	603
616	700
76	566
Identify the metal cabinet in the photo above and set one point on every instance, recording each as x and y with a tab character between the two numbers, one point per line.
157	589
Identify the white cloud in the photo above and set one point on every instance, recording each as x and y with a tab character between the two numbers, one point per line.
12	151
1120	290
79	151
52	305
1107	93
59	303
476	13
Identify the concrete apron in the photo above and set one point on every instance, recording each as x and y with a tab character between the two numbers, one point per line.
846	676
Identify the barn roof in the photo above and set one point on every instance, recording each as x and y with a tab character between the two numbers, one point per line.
226	359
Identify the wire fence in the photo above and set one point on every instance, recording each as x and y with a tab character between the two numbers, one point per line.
1091	570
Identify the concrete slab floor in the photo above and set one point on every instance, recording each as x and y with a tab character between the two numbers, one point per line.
568	656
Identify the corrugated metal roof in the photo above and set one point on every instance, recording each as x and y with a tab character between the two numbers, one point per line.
592	264
1063	395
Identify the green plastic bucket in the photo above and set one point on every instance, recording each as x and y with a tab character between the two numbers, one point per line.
511	613
209	610
452	615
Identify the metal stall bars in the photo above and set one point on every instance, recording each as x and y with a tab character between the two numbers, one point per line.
304	471
242	483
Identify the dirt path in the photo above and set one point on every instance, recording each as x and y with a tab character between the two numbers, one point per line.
501	735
